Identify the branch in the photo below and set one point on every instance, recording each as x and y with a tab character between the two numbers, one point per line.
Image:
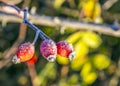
11	52
55	21
108	4
32	73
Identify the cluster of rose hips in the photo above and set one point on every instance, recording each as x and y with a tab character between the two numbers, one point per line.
48	48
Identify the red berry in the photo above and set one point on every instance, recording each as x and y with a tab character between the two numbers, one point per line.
48	50
24	53
33	60
65	49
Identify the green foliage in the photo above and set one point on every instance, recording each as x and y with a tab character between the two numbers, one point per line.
48	73
85	63
100	61
58	3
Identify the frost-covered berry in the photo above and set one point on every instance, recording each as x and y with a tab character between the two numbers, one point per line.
65	49
48	50
24	53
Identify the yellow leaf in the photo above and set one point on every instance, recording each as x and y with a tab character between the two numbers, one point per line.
87	68
74	37
88	74
91	9
101	61
92	39
77	63
81	49
58	3
90	78
88	7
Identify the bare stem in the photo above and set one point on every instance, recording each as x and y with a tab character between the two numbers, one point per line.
43	36
33	74
111	30
36	37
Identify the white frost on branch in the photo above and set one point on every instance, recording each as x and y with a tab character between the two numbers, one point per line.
56	21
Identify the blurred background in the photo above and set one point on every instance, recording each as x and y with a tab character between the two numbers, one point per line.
97	61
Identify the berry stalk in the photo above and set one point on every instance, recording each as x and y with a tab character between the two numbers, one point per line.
43	36
36	37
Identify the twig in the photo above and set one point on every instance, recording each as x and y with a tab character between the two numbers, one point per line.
11	52
115	78
108	4
22	34
11	9
43	36
32	73
13	2
55	21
